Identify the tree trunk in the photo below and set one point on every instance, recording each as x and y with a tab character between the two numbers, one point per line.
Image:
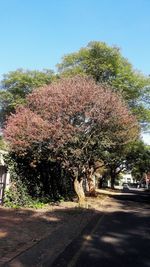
79	190
91	182
101	183
112	180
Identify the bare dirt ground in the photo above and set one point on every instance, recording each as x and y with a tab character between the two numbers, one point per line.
20	229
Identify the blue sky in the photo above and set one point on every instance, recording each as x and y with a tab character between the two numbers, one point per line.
35	34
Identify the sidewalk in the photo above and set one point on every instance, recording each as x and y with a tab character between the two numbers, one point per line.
61	225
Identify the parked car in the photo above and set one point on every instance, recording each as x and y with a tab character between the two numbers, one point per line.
125	186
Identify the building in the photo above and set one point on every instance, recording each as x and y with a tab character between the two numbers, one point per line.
4	176
127	178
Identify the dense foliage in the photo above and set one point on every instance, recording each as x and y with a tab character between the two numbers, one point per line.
16	85
138	159
60	126
106	64
69	122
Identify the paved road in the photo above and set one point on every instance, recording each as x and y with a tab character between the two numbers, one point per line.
120	238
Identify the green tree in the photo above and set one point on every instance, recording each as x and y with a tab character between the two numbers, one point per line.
138	159
106	64
16	85
115	150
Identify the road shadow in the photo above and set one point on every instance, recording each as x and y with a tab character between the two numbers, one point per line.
117	235
120	238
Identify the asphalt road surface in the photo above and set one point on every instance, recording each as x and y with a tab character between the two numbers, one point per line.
119	238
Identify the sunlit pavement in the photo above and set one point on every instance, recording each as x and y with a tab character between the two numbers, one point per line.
121	237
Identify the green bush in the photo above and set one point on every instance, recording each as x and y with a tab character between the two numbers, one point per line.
17	196
35	187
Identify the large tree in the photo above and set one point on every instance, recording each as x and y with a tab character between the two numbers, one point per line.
73	119
106	64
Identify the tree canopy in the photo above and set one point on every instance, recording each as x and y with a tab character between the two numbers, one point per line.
17	84
106	64
73	118
138	159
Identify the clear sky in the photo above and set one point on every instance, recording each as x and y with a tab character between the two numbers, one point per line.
35	34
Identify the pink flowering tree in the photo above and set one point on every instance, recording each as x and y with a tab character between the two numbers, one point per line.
74	119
